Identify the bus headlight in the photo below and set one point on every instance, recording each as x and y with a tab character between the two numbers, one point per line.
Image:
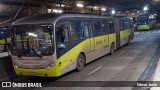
16	66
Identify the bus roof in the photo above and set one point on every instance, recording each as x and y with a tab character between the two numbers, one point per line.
51	18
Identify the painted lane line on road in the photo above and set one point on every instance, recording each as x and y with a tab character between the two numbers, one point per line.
137	51
95	70
121	53
136	33
148	32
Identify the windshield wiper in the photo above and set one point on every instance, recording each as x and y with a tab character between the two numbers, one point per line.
40	56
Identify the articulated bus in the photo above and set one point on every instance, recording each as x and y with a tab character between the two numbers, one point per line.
51	45
145	22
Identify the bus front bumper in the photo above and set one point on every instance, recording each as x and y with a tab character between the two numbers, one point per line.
54	71
145	27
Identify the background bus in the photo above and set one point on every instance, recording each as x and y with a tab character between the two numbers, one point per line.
145	22
51	45
5	29
4	38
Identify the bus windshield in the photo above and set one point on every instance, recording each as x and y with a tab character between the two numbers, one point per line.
32	40
143	21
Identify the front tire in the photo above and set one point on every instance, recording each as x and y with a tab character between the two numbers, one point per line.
80	62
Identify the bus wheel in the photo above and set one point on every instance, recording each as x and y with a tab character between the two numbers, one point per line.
80	62
112	49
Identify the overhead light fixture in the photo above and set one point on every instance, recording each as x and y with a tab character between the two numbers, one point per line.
113	12
145	8
103	9
79	5
55	10
60	5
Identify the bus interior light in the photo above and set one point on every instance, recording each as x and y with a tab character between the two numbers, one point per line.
145	8
79	5
113	12
32	34
103	9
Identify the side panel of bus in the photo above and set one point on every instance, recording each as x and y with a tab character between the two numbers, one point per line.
117	28
89	42
112	34
99	39
126	33
122	33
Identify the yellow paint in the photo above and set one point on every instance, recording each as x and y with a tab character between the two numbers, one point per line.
52	72
112	38
2	41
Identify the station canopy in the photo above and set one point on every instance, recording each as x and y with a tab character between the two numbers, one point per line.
15	9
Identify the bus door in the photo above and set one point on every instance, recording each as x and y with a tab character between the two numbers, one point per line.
90	39
105	33
99	39
117	29
122	32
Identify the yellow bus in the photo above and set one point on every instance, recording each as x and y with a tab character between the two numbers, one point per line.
51	45
4	38
146	22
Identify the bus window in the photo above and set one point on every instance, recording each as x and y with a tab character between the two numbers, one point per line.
97	28
126	25
86	31
130	24
80	29
111	26
1	34
7	33
122	25
89	24
62	32
77	30
104	26
73	30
